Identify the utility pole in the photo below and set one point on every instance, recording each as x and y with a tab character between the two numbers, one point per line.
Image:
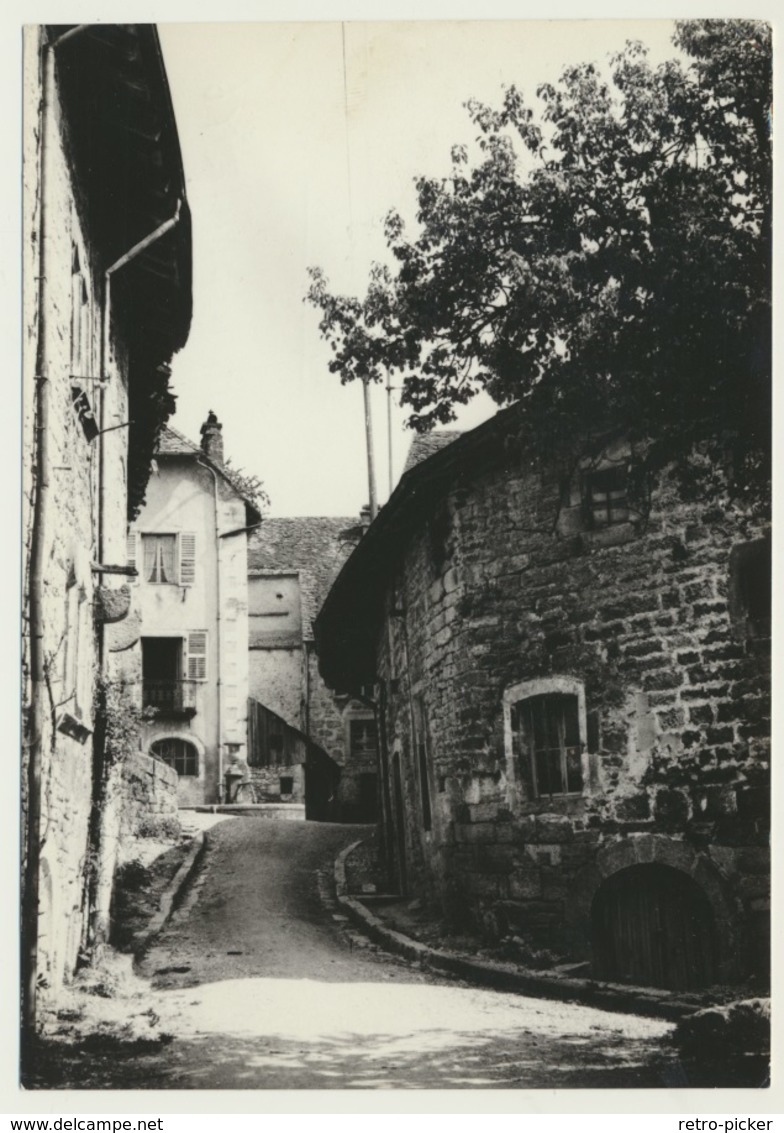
372	497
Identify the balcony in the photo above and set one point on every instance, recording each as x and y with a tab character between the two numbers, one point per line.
172	699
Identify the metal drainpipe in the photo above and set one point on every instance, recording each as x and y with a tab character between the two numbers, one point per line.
123	261
38	706
218	619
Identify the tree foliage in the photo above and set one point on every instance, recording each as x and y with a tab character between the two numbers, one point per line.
607	255
248	484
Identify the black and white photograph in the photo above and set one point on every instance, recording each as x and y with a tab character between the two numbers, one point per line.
396	445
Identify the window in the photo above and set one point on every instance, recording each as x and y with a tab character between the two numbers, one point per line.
179	754
420	740
547	739
750	589
362	738
159	558
286	785
606	496
197	655
166	558
545	729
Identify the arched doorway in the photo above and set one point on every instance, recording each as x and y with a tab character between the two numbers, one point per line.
653	925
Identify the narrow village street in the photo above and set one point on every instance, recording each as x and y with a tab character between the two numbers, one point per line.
263	985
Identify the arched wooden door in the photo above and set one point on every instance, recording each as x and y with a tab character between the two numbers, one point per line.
653	926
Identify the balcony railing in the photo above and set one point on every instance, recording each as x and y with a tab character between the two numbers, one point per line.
170	697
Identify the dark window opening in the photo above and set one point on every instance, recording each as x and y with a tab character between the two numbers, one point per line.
546	738
368	793
177	753
162	672
750	588
362	738
163	685
420	739
607	496
286	785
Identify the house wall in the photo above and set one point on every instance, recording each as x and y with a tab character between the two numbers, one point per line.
72	330
181	498
498	587
275	680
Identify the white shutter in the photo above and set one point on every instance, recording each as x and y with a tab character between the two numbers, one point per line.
197	655
187	558
130	553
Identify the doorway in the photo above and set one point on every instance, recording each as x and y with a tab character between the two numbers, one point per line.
652	925
400	824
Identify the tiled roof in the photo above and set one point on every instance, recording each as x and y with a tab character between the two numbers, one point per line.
172	443
314	546
427	444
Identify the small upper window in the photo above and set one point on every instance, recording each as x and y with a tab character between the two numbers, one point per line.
606	496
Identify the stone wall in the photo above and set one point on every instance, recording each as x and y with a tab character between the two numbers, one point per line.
268	783
138	791
500	587
72	330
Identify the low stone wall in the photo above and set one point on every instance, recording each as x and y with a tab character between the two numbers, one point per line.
268	783
149	791
139	791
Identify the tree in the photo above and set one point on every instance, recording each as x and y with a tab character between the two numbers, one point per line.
606	257
248	484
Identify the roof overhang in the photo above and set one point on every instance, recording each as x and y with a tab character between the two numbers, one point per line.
121	135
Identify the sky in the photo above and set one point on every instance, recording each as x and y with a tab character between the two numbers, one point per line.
297	139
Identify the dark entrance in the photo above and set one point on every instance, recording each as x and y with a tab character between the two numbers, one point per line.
368	795
162	684
400	823
322	776
652	925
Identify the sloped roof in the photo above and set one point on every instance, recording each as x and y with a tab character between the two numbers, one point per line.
315	547
348	622
425	445
173	443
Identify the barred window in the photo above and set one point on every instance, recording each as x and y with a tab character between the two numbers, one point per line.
546	738
177	753
545	730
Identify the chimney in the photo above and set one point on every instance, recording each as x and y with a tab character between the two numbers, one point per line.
212	439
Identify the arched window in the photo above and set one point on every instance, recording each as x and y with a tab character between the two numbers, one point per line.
545	737
178	753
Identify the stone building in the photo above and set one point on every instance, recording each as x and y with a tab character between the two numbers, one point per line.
571	670
188	656
107	302
314	746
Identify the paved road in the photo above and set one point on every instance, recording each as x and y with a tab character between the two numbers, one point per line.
264	986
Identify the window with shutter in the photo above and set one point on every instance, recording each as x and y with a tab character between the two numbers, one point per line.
130	553
197	655
187	558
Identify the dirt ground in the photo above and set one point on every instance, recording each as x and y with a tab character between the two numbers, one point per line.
259	982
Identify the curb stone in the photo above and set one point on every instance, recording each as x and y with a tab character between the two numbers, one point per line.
505	976
143	938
